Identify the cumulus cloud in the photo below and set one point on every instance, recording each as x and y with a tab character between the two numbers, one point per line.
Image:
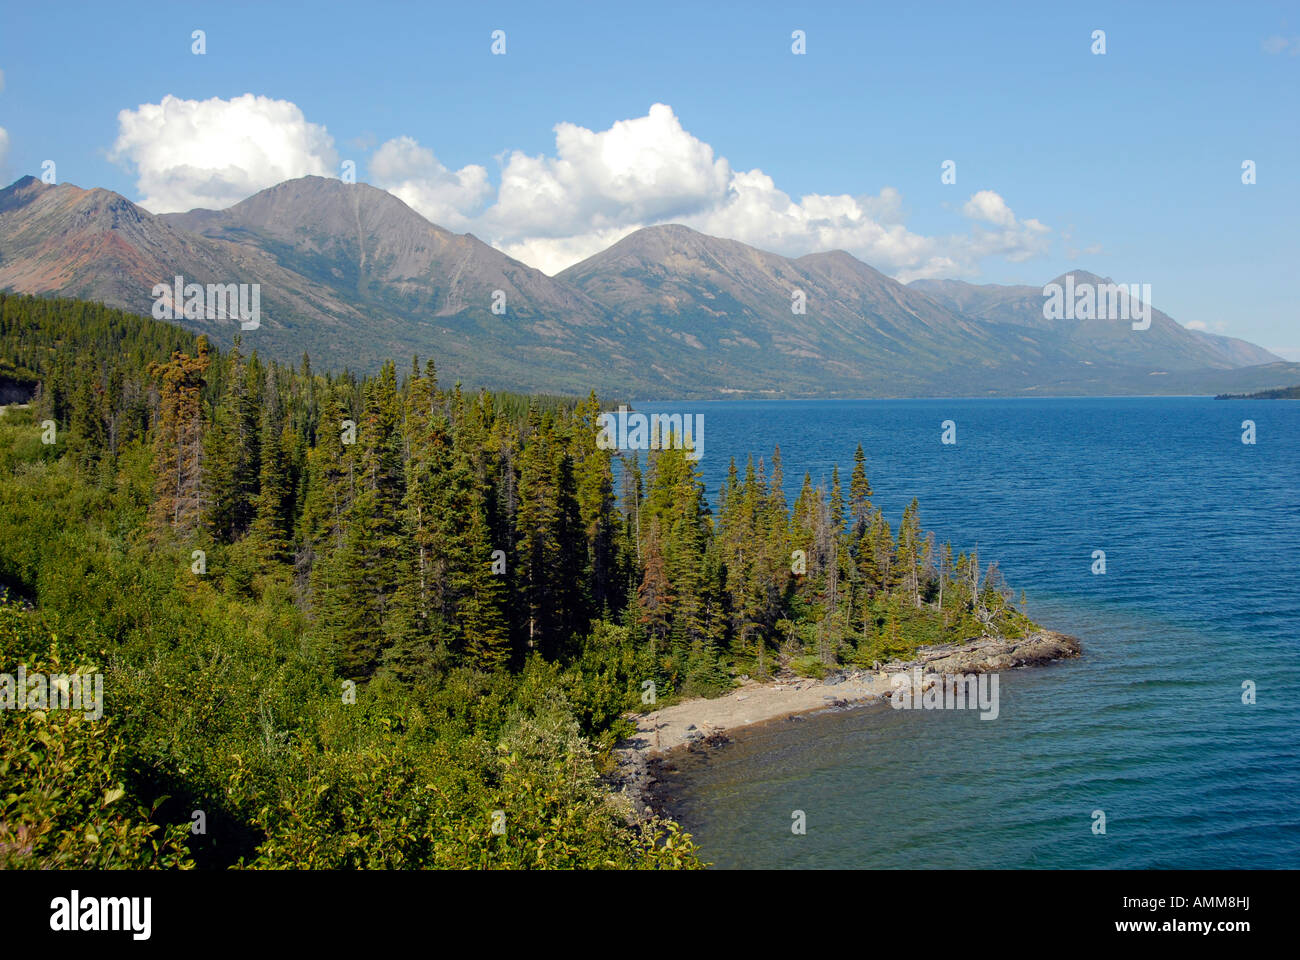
597	187
552	254
214	153
759	213
552	210
411	172
4	144
644	170
989	207
1197	325
2	81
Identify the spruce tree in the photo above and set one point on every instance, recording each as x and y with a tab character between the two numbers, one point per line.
366	569
178	443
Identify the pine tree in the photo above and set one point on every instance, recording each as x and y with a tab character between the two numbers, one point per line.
419	631
594	476
837	502
569	575
537	529
655	594
860	508
233	452
330	485
272	520
907	558
85	418
366	568
178	442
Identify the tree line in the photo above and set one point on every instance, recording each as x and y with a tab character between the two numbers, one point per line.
233	538
425	526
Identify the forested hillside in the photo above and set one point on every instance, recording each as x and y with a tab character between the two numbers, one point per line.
387	622
1283	393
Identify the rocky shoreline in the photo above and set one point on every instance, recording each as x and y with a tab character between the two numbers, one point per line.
705	723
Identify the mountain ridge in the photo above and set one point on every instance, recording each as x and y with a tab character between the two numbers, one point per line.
353	275
1023	304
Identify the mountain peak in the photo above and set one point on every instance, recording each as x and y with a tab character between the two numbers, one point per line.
22	183
1081	276
675	230
323	207
353	273
22	191
831	256
678	248
661	237
839	262
312	189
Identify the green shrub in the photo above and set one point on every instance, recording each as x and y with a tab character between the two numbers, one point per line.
63	803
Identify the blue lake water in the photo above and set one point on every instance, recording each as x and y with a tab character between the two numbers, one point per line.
1202	540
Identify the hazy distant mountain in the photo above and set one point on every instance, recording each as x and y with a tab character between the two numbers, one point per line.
1237	352
353	276
1166	344
863	332
725	312
1282	393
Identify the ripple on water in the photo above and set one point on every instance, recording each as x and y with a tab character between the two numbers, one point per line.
1200	594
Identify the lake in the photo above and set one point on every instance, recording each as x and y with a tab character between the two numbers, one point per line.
1201	534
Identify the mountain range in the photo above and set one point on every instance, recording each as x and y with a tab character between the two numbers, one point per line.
351	275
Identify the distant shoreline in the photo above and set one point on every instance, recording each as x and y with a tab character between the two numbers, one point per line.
706	722
1281	393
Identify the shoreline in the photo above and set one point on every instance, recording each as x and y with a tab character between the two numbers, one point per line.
705	722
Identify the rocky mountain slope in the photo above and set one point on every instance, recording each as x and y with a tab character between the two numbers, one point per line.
352	275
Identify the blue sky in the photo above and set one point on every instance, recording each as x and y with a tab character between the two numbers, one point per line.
1127	163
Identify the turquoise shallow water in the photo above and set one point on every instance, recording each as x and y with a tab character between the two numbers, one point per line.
1202	592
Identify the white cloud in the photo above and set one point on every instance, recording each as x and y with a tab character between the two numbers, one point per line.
644	170
1279	44
2	81
1197	325
213	153
989	207
552	254
411	172
869	227
551	211
759	213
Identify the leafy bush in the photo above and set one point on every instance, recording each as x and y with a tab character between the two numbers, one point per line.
64	803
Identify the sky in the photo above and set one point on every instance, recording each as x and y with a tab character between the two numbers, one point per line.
594	122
